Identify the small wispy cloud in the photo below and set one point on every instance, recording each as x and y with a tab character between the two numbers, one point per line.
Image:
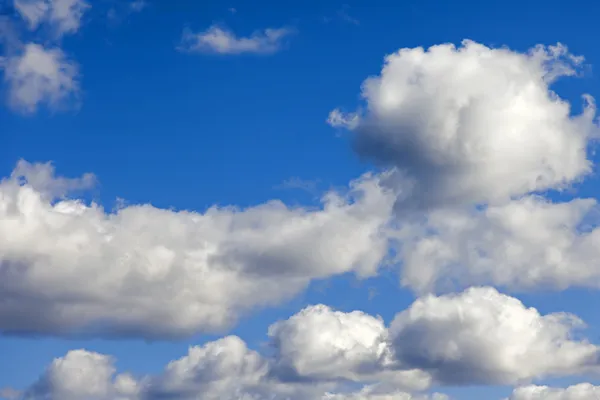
38	75
38	72
343	15
64	16
309	186
221	40
138	5
121	10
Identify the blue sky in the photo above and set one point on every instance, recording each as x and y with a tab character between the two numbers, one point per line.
189	129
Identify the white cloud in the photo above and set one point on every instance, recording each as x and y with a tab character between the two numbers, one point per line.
582	391
321	344
41	177
225	369
473	124
476	337
82	375
40	76
64	16
524	244
374	393
32	11
339	119
326	343
223	41
480	336
71	268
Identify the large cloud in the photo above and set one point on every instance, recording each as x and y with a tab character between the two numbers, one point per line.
524	244
71	268
582	391
479	336
473	124
484	337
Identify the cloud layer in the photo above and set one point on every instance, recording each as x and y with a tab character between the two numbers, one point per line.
67	267
476	337
222	370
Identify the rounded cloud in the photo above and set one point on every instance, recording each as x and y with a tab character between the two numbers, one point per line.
481	336
82	374
473	124
321	342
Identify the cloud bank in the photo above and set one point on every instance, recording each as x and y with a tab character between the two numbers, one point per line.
475	337
70	268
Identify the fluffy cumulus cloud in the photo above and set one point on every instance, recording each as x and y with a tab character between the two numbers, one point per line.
221	40
225	369
222	370
37	75
322	344
82	375
472	124
326	343
67	267
482	336
476	337
63	16
582	391
524	244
